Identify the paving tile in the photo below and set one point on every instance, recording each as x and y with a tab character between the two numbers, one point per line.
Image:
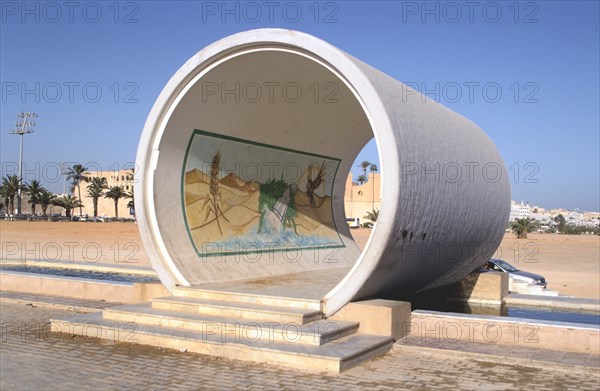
31	359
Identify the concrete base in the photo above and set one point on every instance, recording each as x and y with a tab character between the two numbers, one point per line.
488	288
377	317
80	288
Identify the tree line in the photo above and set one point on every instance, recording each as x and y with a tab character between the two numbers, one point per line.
521	227
96	188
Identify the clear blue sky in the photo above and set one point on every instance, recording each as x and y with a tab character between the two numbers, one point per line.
549	119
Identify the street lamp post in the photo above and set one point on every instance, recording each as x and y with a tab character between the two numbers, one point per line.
22	127
64	170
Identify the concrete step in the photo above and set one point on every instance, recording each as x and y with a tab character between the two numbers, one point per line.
228	309
331	357
315	333
245	297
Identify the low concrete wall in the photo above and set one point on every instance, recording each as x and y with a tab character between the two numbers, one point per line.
539	334
81	288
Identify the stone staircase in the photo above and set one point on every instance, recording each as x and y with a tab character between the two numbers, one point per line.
243	326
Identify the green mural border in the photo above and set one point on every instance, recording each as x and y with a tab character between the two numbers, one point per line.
240	140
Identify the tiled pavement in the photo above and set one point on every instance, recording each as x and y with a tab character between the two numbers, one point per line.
522	355
31	358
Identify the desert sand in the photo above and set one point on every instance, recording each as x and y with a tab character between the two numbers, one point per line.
571	264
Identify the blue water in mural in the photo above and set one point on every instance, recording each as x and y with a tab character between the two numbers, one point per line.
268	240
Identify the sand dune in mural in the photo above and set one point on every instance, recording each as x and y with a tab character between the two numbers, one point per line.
239	202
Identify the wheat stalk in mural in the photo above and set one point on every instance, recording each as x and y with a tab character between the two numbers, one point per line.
313	183
214	195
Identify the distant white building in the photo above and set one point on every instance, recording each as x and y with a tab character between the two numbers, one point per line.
573	217
519	211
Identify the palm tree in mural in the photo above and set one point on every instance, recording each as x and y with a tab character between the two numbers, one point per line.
214	196
115	193
76	175
313	183
95	190
34	189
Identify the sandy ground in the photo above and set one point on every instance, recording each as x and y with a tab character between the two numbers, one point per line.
571	264
111	243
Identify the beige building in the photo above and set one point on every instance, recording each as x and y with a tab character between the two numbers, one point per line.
360	199
555	212
106	206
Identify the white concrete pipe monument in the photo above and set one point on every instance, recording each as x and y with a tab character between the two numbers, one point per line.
243	161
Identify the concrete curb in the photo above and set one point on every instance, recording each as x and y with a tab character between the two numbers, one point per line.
138	270
80	288
539	364
565	303
47	304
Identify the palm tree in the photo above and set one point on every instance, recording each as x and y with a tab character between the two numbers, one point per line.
372	215
76	175
521	227
115	193
361	179
68	202
10	187
131	203
34	189
373	168
560	222
130	194
95	190
364	166
4	195
45	198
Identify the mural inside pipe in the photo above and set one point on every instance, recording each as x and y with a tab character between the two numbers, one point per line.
243	197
